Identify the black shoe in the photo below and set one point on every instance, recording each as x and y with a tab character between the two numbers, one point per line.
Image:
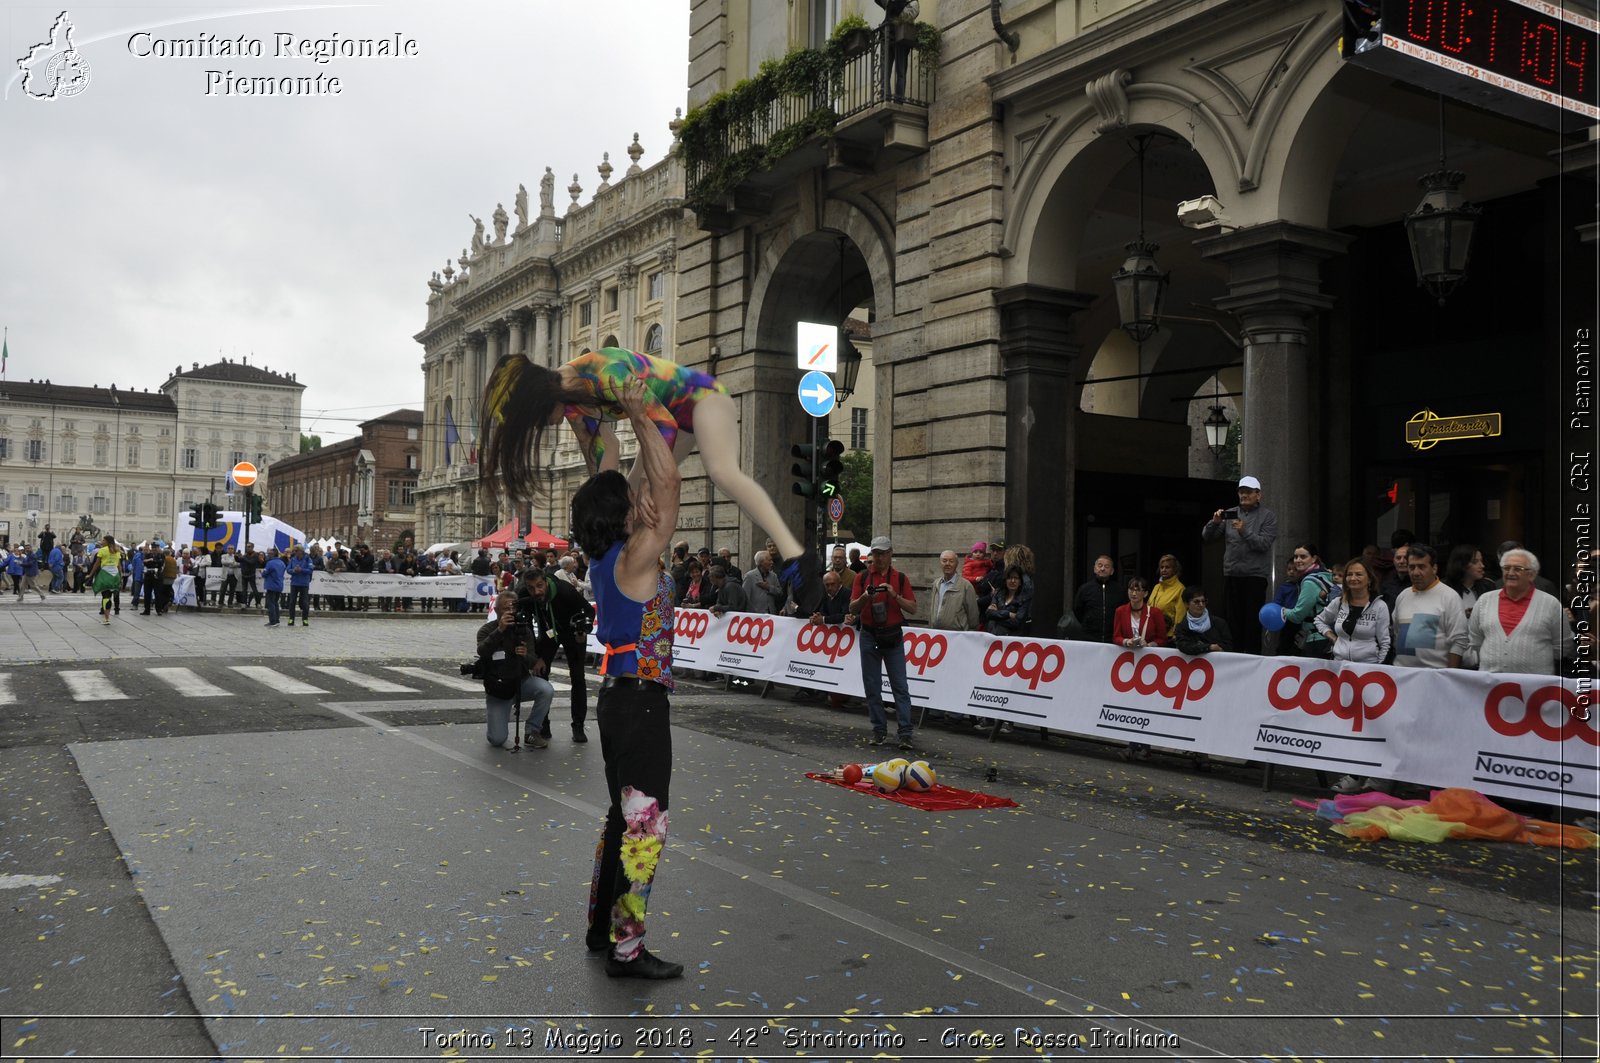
879	739
578	736
905	744
598	938
645	965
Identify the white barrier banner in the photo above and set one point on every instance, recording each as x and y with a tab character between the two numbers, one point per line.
1516	736
389	585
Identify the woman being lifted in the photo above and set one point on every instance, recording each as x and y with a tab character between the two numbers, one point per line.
690	408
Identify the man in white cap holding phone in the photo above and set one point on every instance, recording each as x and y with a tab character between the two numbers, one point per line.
1247	532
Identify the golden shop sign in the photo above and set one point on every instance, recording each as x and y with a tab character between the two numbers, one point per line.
1427	429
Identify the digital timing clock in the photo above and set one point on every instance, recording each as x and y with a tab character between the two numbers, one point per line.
1529	58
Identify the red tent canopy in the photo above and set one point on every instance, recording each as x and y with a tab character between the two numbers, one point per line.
511	531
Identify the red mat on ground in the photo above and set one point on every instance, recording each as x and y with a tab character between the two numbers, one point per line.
939	799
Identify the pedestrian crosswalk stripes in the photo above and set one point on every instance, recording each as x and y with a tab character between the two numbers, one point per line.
188	683
366	682
214	679
92	686
273	679
451	681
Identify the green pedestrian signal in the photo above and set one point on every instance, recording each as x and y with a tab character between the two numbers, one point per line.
832	467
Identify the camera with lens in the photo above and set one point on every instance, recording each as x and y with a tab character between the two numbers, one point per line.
474	668
581	626
880	608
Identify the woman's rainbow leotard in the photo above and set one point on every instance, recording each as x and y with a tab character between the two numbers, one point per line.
672	391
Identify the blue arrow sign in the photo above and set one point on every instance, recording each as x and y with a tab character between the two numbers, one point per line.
817	396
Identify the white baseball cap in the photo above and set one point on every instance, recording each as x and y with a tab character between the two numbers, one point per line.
1250	483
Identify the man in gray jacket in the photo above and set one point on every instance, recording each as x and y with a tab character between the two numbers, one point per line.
1248	533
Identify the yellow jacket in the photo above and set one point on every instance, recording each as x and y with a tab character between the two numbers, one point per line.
1167	596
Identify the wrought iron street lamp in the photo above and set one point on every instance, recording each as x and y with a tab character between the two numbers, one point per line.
1440	230
1140	284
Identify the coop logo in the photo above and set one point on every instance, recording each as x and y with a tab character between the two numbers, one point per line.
1177	678
484	589
1032	661
825	641
1354	696
748	631
924	651
1506	698
691	626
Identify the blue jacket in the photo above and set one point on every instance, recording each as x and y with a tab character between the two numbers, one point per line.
138	566
14	563
272	575
30	563
58	558
300	569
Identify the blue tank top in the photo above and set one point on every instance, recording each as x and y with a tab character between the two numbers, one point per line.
637	635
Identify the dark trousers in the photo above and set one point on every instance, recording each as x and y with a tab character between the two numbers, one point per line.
230	583
272	606
248	592
199	592
574	653
636	744
149	595
1242	599
300	596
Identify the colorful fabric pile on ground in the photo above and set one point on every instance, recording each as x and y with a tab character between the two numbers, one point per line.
941	798
1455	813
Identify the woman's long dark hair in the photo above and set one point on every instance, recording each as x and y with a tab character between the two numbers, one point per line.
517	403
1455	569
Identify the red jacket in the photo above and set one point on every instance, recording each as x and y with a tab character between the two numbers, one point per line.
1152	622
974	569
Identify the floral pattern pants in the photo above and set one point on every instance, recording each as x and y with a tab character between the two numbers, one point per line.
636	742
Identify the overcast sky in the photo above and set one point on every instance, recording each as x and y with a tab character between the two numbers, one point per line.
147	224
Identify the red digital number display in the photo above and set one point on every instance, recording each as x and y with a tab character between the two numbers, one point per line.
1527	44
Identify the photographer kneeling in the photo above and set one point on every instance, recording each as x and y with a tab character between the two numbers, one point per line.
507	674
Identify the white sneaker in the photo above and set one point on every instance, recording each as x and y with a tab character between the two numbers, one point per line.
1348	785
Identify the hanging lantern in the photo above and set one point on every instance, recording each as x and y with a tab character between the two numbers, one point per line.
1140	287
1440	231
1216	423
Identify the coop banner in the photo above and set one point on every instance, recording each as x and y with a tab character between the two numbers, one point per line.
1515	736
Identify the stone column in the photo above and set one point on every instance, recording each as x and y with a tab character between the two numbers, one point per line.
1275	290
540	355
515	346
627	305
1040	356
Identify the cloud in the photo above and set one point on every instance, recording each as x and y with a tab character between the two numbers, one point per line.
148	225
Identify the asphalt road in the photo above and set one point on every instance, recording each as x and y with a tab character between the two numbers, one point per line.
207	830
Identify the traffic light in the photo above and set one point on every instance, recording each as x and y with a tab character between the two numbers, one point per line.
254	502
197	519
804	470
832	467
212	516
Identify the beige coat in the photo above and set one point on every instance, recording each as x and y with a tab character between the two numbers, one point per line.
959	612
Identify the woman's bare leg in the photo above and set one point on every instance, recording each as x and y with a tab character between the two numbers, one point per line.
716	431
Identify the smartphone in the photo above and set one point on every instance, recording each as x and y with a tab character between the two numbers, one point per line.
1231	514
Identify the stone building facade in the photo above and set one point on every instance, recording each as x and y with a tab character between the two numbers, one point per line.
984	224
357	490
548	286
130	461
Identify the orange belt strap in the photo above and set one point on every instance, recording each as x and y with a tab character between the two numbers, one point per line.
610	649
